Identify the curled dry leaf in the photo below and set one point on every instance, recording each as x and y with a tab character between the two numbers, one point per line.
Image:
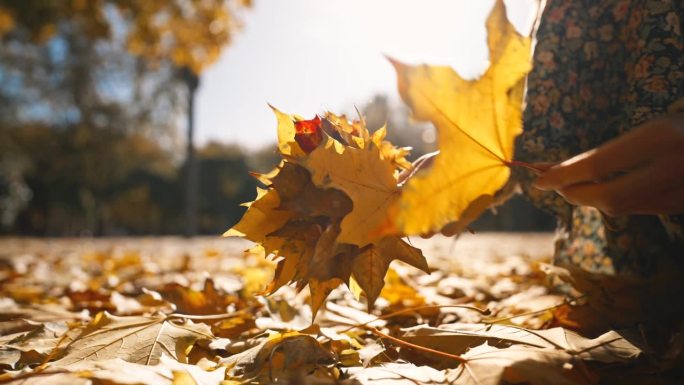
31	347
209	300
276	355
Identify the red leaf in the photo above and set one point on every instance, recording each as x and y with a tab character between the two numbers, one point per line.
308	133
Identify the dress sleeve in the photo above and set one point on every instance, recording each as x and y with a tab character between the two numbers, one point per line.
655	66
655	71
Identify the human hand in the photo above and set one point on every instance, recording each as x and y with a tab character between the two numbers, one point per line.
640	172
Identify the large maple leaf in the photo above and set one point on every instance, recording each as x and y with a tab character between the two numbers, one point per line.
477	122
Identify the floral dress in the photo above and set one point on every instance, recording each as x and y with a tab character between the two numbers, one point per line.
600	69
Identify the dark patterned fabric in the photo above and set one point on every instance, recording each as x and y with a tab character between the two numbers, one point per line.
600	69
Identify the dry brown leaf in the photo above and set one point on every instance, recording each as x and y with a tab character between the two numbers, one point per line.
33	346
299	195
140	340
276	355
370	267
119	372
52	378
49	312
488	365
209	300
369	182
9	358
122	372
610	347
398	374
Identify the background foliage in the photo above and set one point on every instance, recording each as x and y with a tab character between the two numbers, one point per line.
92	108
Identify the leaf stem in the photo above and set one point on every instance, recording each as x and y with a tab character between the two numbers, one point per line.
415	309
210	317
529	166
567	301
414	346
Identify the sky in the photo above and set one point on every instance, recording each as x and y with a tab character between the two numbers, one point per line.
309	56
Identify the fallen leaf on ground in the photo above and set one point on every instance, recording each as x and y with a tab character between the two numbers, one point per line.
140	340
488	365
277	355
610	347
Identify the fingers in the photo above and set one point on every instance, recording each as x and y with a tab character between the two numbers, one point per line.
649	189
581	168
622	154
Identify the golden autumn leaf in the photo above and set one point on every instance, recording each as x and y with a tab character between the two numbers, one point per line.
477	122
300	196
262	217
362	175
287	145
277	353
370	267
397	155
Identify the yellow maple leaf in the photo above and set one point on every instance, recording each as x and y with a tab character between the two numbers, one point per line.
360	173
477	122
263	216
396	155
369	267
299	195
287	145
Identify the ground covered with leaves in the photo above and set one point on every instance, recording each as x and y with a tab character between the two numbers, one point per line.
173	311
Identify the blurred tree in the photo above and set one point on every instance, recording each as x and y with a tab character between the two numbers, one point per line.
264	159
77	177
189	33
225	184
101	74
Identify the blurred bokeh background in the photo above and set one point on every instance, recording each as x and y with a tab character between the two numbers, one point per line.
130	117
